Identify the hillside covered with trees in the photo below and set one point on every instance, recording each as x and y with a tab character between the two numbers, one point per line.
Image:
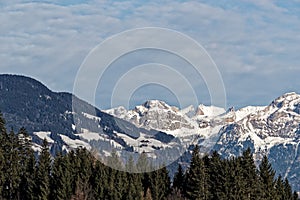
80	174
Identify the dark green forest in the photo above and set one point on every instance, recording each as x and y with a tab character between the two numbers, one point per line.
80	175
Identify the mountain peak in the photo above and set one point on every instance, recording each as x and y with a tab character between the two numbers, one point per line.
288	100
203	110
156	104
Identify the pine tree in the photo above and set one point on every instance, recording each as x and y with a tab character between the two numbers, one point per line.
83	191
116	179
130	165
82	164
2	125
197	180
179	180
134	187
236	180
266	176
249	176
114	161
217	177
61	187
42	179
2	172
27	161
288	193
143	167
121	184
99	180
295	196
27	186
280	193
143	164
160	184
2	152
12	166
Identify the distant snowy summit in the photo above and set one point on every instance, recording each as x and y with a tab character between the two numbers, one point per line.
156	114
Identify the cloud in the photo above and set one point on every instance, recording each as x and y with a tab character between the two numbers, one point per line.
253	39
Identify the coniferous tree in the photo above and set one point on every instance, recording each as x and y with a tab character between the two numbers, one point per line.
121	184
143	167
114	161
236	181
217	177
280	193
27	186
12	166
165	182
2	152
61	187
130	165
266	177
134	188
28	162
134	184
295	196
160	184
197	180
99	180
82	169
249	175
74	165
2	172
143	164
115	185
179	180
43	169
2	124
288	193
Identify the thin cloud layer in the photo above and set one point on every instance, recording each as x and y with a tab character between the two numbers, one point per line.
255	44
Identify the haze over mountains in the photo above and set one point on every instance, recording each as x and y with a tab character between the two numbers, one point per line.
161	130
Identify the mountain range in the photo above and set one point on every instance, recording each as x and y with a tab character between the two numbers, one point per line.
165	132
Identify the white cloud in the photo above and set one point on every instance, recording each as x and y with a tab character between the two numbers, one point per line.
49	41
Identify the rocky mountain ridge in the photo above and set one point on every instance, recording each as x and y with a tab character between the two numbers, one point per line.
272	130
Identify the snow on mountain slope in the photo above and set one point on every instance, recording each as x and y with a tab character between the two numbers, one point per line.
273	130
154	114
209	111
204	121
277	122
243	112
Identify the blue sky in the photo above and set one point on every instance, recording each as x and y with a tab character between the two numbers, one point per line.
255	44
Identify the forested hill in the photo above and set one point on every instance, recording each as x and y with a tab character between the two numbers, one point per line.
63	118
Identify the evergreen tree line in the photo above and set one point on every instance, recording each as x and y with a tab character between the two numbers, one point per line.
80	175
211	177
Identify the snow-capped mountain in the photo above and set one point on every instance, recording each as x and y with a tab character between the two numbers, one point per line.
163	131
189	124
272	130
154	114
